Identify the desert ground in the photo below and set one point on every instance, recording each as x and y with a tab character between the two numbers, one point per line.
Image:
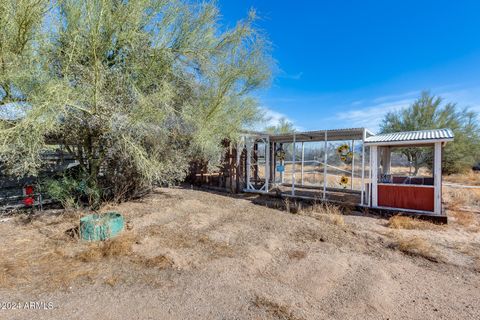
196	254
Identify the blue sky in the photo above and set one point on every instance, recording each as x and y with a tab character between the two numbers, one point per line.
346	63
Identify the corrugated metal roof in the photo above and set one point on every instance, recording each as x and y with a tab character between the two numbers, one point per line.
434	135
332	135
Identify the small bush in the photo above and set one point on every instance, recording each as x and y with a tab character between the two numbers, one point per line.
403	222
71	192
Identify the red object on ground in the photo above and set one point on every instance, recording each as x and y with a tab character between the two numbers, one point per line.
28	190
406	197
28	201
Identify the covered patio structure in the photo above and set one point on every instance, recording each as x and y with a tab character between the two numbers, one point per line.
348	166
390	190
325	164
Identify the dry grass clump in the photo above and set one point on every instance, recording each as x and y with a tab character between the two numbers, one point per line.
476	264
216	249
48	269
337	220
404	222
469	178
457	198
463	218
326	212
160	262
416	246
297	254
279	311
461	205
112	280
309	235
119	246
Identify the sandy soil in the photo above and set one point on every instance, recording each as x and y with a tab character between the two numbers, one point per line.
192	254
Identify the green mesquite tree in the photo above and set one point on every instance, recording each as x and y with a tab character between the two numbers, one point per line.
427	112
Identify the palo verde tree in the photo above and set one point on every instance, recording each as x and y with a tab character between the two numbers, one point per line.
134	90
427	112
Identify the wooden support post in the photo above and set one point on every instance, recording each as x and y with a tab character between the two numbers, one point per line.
303	158
437	178
374	171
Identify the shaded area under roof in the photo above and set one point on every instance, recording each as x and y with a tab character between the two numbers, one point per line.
419	137
332	135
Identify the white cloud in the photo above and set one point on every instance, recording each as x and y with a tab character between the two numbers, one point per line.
292	76
370	116
272	118
296	76
397	97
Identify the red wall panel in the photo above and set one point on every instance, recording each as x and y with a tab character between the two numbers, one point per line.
406	197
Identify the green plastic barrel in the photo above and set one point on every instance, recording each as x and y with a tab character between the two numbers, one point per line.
96	227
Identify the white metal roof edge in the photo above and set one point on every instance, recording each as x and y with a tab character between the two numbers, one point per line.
407	142
409	137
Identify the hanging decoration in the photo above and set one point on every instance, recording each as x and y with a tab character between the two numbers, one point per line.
280	154
344	182
344	153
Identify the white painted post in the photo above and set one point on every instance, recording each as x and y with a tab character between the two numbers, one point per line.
363	168
267	163
374	170
282	162
303	159
293	164
437	178
353	164
387	160
274	165
249	154
370	178
325	158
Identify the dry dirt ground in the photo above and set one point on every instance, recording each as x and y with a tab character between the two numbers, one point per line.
191	254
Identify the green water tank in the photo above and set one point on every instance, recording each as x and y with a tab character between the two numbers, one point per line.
103	226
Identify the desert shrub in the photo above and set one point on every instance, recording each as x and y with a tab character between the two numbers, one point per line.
71	192
325	212
429	112
133	90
